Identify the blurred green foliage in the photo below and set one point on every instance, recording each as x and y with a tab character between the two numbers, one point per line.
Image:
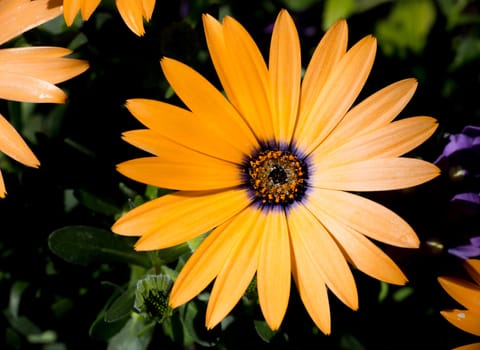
66	282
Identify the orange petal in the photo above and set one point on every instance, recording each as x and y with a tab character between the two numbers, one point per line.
251	83
464	292
3	190
148	6
218	53
319	117
390	141
179	217
132	14
312	289
193	171
207	261
88	7
207	102
242	72
239	269
363	215
188	129
23	88
375	175
473	268
273	276
12	144
70	10
327	54
285	71
374	112
475	346
21	15
310	241
44	63
466	320
363	254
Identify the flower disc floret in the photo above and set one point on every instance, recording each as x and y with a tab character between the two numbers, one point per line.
276	177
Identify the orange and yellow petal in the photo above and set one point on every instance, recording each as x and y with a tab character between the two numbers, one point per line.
189	129
312	242
475	346
321	114
209	258
72	7
29	74
273	275
466	320
133	12
239	269
178	217
374	112
312	290
45	63
331	48
193	172
12	144
392	140
464	292
18	16
3	190
376	175
242	72
363	215
473	268
284	66
205	101
24	88
364	254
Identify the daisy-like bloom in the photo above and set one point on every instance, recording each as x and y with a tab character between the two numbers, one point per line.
133	12
268	169
29	74
467	294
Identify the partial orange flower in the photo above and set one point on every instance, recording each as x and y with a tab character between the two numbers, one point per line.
133	12
29	74
268	168
467	294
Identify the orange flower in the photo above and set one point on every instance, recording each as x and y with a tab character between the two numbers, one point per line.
267	170
29	74
132	11
467	294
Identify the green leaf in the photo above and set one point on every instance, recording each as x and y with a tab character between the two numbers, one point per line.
101	329
22	324
84	245
336	9
384	289
168	255
468	50
15	296
264	331
121	307
95	203
299	5
402	293
136	334
350	342
407	27
192	316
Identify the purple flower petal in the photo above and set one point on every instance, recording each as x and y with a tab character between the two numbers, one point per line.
469	197
465	251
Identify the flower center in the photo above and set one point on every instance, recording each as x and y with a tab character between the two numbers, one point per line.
276	177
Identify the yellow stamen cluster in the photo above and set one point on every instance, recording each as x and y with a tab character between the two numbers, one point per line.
277	177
